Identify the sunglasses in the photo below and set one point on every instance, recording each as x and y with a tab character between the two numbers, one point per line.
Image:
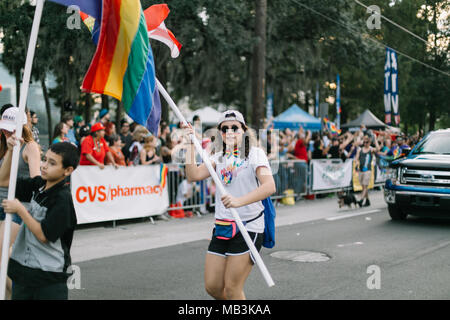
234	128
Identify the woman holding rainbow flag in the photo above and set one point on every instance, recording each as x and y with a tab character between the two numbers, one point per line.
246	176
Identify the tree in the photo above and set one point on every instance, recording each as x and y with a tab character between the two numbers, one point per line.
71	51
15	24
423	91
217	43
307	42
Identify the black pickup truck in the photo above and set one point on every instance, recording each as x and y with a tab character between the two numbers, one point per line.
420	182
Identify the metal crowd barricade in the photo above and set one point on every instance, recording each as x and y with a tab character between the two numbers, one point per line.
176	182
290	175
287	174
210	190
294	175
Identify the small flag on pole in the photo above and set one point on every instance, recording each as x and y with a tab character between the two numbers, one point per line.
88	21
92	24
155	16
331	126
163	175
397	152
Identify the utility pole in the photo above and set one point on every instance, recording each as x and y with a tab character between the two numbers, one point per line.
259	64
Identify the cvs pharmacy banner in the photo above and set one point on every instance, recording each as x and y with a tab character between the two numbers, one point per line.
331	174
115	194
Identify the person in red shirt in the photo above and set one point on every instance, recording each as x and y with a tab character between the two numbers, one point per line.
94	148
300	151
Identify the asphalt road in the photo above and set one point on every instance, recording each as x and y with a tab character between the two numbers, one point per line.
370	257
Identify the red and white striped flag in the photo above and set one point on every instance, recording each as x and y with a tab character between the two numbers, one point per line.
155	16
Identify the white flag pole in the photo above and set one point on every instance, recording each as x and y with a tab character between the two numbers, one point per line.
211	170
15	158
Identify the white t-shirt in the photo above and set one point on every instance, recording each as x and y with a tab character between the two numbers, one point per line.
326	141
238	176
184	191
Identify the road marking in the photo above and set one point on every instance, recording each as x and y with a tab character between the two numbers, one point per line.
350	244
351	215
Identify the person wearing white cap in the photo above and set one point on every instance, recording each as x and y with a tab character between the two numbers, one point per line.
29	163
246	176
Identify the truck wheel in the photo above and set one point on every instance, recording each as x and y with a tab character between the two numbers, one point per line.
396	213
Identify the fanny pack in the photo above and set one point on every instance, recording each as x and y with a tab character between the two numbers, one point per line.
226	229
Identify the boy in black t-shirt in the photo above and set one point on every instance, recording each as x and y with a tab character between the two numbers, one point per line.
41	252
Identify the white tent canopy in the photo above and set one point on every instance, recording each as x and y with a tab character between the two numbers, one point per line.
208	116
394	129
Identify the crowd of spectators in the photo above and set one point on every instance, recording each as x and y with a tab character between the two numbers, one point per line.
300	145
102	144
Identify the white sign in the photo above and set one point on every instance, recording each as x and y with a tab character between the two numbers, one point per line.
115	194
381	175
331	174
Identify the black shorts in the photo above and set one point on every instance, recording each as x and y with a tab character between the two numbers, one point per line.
56	291
235	246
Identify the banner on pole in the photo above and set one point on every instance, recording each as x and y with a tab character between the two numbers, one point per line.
331	174
387	88
116	194
316	114
394	86
381	174
338	102
269	110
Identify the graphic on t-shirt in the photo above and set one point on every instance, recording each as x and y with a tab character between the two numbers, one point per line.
230	170
227	176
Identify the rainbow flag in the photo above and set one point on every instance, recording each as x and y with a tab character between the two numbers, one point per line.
331	126
333	129
163	175
397	152
123	65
